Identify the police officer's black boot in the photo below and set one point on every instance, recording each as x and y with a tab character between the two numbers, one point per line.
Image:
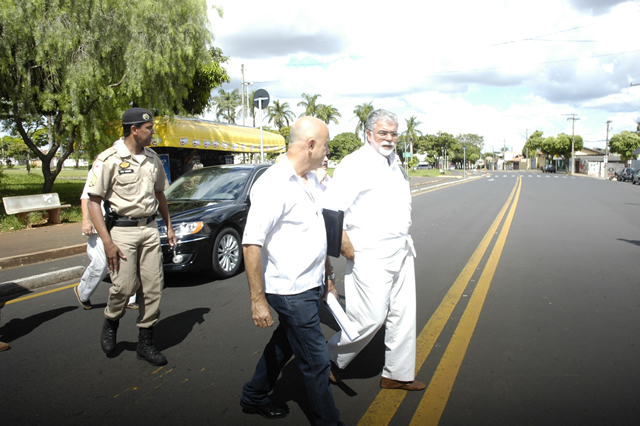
146	350
108	336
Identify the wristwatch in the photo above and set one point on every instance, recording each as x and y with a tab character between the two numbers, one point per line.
331	276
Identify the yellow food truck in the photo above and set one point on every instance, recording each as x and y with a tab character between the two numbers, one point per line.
183	143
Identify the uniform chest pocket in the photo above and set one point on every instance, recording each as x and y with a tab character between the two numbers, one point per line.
127	185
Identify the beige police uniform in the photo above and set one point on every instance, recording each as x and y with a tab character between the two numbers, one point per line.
129	185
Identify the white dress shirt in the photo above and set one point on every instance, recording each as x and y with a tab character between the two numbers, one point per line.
376	199
285	219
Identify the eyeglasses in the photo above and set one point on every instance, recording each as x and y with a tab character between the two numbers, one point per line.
384	134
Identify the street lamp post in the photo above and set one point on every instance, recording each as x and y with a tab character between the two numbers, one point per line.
464	162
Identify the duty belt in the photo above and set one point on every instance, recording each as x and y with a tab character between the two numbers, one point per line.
131	221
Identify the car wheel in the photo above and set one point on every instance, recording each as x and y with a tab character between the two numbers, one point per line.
226	257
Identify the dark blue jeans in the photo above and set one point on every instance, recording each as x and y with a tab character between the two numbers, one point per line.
298	333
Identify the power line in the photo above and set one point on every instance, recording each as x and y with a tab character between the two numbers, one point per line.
543	35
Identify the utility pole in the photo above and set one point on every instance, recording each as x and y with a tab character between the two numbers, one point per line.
606	151
526	139
504	155
572	117
244	108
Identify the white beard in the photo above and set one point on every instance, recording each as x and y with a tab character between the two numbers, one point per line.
386	151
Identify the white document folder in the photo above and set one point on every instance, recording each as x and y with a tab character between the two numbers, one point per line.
349	328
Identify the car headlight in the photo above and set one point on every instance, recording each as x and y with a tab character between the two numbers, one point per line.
182	229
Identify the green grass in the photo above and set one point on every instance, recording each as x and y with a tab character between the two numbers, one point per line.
68	185
425	172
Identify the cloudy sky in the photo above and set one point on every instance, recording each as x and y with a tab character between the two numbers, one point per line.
496	68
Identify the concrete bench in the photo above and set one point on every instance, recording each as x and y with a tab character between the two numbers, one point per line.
24	205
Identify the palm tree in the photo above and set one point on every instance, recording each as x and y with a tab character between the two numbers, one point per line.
328	113
412	133
280	114
226	105
252	107
310	107
362	112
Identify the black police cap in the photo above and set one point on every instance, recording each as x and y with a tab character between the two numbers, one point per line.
136	116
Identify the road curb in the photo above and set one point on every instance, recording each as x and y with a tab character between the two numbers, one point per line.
27	259
31	283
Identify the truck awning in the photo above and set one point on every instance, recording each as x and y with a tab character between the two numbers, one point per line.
182	132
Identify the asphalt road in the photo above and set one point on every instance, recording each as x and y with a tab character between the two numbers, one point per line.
528	313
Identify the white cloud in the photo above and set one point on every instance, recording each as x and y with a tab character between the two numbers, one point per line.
495	68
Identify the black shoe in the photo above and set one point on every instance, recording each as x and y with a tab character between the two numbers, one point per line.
268	410
108	336
146	350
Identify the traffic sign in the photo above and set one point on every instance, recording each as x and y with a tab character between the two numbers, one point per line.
263	95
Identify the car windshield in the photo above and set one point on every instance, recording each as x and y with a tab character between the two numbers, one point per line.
208	184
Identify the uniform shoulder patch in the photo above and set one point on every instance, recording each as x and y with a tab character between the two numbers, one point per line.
106	154
93	180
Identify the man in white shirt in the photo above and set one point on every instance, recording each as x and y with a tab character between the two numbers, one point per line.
285	251
379	280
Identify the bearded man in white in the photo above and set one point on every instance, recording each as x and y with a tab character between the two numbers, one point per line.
379	281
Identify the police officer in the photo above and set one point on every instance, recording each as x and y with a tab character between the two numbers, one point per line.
130	178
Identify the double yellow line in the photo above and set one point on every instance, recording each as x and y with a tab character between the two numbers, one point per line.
437	393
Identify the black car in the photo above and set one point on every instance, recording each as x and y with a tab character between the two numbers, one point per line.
625	174
208	209
549	168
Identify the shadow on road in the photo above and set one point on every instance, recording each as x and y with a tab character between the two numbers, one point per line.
172	330
634	242
19	327
369	362
168	332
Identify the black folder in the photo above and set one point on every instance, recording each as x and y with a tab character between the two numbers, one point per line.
333	224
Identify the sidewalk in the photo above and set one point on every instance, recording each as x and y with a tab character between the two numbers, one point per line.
50	243
27	246
25	254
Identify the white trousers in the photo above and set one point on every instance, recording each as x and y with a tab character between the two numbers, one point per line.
381	291
96	271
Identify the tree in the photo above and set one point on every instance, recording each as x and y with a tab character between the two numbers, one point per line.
328	113
412	133
252	107
343	145
474	144
438	145
285	132
468	139
75	67
533	144
227	104
362	113
14	149
309	105
563	146
624	143
279	114
207	76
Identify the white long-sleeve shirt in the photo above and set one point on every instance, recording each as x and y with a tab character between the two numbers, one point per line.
286	220
376	199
